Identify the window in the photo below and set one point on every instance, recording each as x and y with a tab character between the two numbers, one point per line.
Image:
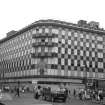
81	63
99	46
55	60
63	32
100	65
81	35
81	43
100	38
56	40
69	33
46	49
93	37
100	55
69	51
66	61
46	40
87	53
46	30
93	64
87	44
69	42
87	36
53	39
93	45
75	52
63	41
40	30
75	34
72	62
93	54
75	62
55	31
63	51
56	49
42	40
75	43
49	61
81	53
62	61
69	61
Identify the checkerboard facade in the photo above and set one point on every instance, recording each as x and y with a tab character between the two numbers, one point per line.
53	49
77	53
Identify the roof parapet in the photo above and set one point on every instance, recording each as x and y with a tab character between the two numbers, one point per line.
11	33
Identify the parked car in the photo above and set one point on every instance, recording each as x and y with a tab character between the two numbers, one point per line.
53	94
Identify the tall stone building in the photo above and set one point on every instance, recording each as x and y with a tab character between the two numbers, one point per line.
53	52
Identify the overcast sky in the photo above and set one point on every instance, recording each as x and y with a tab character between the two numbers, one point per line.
16	14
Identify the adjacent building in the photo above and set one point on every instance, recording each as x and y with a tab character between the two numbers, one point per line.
53	52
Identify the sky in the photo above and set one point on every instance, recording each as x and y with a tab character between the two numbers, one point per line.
16	14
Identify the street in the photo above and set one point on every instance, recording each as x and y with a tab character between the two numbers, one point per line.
27	99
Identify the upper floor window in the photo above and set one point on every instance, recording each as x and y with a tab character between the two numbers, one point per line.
33	31
99	46
46	30
93	45
100	55
100	38
55	31
69	33
87	36
93	37
75	34
63	32
40	30
81	35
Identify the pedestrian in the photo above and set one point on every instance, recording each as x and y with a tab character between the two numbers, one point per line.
74	92
69	92
68	95
37	92
100	96
17	92
80	95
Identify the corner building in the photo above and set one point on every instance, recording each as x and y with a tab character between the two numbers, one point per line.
53	52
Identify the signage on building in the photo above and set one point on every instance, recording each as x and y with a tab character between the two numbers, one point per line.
89	84
34	81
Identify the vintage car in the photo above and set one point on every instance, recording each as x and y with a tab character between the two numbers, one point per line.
53	94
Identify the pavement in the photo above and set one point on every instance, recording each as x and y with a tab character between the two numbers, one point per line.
27	99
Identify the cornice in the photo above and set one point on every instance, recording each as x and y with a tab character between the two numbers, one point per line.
56	23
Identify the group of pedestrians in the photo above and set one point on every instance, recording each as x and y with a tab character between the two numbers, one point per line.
82	94
38	92
98	95
94	95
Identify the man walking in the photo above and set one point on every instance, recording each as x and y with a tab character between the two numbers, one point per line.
17	92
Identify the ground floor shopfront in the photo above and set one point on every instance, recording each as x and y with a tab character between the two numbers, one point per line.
70	83
44	80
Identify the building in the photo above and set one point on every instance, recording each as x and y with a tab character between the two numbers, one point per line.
53	52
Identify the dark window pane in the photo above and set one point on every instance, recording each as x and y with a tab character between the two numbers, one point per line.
62	67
